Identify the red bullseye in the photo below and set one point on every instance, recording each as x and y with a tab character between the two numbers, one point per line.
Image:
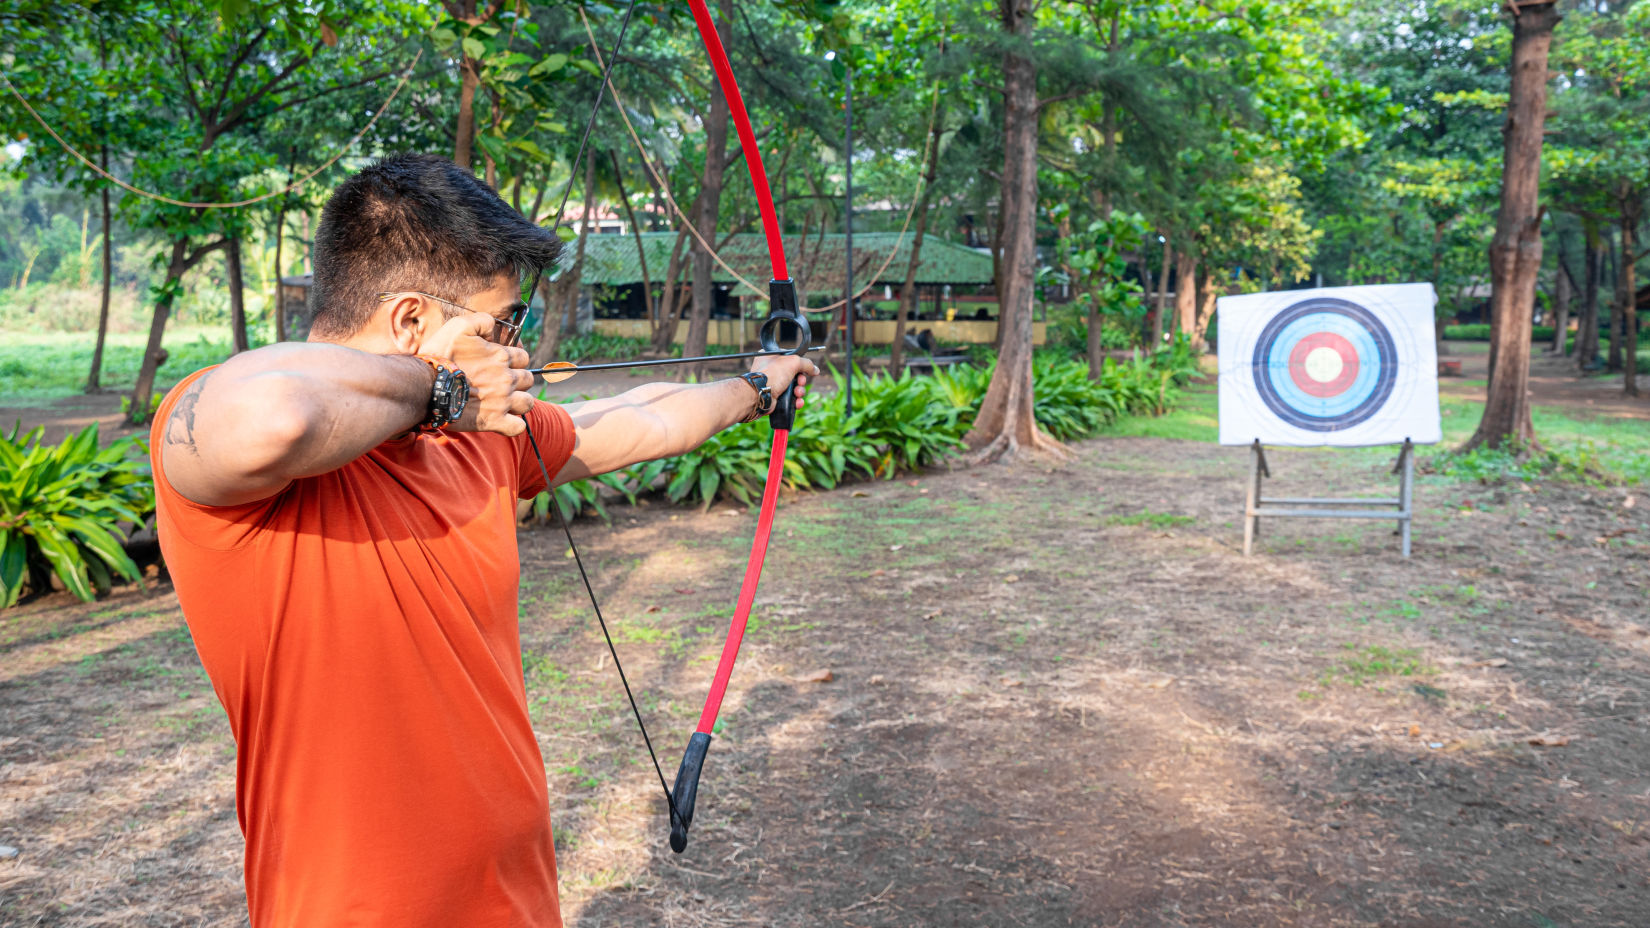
1323	364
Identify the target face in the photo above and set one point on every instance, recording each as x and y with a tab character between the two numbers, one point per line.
1325	364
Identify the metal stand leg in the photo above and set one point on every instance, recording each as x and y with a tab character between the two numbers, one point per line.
1406	492
1251	506
1250	500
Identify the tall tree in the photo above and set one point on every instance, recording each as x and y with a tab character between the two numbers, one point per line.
1006	424
1515	252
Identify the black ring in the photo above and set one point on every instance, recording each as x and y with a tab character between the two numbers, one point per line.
1386	376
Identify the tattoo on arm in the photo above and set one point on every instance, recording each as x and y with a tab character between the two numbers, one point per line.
180	428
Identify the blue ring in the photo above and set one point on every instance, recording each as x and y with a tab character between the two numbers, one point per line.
1377	365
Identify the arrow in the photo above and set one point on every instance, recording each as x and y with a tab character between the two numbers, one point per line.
557	371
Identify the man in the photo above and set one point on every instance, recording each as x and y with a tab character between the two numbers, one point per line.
339	521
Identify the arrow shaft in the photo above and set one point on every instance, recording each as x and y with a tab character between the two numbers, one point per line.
661	362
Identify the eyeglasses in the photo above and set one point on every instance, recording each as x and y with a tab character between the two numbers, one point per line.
505	331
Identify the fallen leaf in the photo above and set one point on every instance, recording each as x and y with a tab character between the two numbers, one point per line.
1007	682
876	680
861	493
1545	740
934	615
895	547
818	676
912	482
684	590
651	609
1415	731
1012	578
568	554
1629	502
730	512
1490	662
879	573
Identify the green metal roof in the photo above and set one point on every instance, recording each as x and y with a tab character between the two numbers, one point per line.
816	261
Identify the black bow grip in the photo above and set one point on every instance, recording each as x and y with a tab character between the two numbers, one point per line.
784	318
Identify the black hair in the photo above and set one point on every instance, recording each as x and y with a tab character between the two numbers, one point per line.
416	222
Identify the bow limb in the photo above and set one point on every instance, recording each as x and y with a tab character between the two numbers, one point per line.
785	321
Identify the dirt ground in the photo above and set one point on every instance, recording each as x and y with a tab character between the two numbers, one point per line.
1553	382
1055	697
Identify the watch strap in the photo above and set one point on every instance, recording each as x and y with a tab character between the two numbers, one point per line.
764	395
437	414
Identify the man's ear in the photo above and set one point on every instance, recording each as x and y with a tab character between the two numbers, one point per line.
408	321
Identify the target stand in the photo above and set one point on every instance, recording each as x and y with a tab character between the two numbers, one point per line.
1256	505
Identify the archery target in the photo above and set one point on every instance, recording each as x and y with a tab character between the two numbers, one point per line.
1337	366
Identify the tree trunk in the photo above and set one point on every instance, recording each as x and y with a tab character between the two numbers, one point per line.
1207	293
94	379
635	230
566	293
1561	308
1587	325
237	297
1007	425
1628	333
1515	251
1612	357
1159	324
908	289
469	77
280	301
1096	343
670	300
710	207
1185	292
138	411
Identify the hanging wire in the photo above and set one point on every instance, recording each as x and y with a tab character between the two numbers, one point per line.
405	75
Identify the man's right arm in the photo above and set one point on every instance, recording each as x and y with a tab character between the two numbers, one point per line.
245	430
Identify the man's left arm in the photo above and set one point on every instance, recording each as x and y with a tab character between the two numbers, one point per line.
660	420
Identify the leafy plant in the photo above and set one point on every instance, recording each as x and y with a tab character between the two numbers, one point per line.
61	511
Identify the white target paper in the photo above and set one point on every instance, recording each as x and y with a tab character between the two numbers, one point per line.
1343	366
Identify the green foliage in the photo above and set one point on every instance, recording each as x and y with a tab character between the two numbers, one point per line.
900	424
61	511
1580	462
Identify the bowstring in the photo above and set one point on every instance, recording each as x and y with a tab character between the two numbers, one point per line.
561	519
532	441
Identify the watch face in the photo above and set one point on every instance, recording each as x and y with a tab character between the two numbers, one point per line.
459	395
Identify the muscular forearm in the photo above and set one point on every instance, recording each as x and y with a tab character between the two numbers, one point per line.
286	411
656	420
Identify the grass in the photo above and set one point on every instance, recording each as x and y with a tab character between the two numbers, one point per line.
1373	663
1197	418
45	366
1153	519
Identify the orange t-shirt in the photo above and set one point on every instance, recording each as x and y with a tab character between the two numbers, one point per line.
360	628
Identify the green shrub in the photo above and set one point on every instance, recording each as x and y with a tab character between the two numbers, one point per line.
1579	462
61	509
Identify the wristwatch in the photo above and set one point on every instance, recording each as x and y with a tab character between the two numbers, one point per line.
448	396
764	396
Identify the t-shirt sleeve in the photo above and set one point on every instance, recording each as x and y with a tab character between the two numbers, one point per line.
220	527
553	428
